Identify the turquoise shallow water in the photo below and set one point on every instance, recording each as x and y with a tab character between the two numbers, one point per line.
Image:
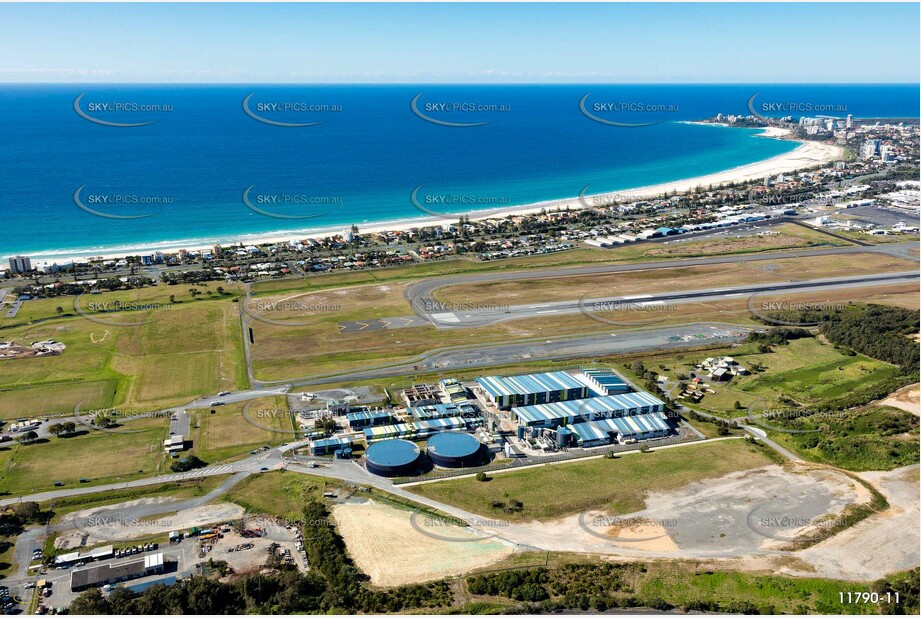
181	176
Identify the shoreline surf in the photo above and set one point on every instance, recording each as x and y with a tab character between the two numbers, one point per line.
807	154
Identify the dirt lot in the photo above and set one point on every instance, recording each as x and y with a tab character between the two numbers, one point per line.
745	520
384	543
881	543
125	525
253	559
905	399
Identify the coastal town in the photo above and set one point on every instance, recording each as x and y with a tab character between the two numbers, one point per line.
871	191
460	309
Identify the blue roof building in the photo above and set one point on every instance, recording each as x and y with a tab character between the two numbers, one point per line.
568	412
532	389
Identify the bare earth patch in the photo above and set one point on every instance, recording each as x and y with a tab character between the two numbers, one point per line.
907	399
880	544
387	547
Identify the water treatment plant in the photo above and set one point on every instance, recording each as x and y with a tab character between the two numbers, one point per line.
490	420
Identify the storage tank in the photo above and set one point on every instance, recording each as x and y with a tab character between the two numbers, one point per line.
454	449
392	458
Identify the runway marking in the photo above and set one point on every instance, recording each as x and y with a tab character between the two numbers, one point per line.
637	296
446	317
551	311
652	302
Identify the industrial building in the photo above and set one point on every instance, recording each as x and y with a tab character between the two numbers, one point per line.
420	395
454	449
623	429
90	577
455	391
605	382
413	429
532	389
174	444
392	458
437	410
580	410
329	446
100	553
368	418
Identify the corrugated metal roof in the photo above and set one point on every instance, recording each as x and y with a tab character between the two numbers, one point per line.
367	415
588	432
328	442
413	427
438	410
498	386
596	407
626	426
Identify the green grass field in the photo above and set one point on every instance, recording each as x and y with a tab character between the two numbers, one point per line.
229	433
282	494
806	370
681	584
98	456
192	488
314	340
192	348
618	485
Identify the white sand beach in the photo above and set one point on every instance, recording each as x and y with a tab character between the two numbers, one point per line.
808	154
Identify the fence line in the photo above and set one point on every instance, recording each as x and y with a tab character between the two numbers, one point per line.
537	461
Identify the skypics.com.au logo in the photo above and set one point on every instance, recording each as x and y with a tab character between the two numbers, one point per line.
116	113
438	112
288	112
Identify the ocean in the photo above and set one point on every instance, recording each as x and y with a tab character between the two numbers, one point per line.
213	164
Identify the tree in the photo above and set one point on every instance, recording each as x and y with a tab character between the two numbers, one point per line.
28	437
481	476
188	463
56	430
90	603
26	511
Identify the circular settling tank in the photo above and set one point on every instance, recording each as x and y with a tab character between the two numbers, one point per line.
392	458
454	449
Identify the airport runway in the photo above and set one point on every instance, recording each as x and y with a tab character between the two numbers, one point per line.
645	307
418	294
583	346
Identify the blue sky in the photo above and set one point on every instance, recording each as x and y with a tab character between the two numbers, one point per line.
508	43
